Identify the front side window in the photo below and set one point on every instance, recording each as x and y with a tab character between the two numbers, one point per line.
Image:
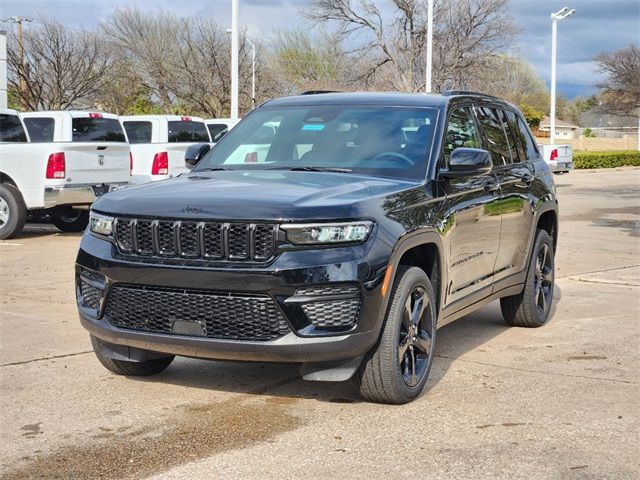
87	129
11	129
382	141
217	131
461	132
138	131
187	131
40	128
495	136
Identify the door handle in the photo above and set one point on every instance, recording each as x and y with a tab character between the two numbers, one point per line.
491	186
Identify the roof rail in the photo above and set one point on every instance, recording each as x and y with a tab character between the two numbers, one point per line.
318	92
449	93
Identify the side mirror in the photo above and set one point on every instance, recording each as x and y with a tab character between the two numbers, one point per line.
195	153
468	162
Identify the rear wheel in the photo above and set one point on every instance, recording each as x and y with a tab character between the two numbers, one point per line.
396	369
69	220
531	308
138	369
13	212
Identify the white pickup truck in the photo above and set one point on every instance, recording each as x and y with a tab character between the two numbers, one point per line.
159	142
558	157
58	165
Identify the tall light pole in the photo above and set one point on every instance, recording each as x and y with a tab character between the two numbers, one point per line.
253	72
559	15
234	59
429	45
21	73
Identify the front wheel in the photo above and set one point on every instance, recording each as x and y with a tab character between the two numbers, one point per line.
395	371
69	220
532	307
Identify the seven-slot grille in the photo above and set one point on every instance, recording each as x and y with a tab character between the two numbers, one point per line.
186	239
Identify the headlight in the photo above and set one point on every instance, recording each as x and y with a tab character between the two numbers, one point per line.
320	233
100	224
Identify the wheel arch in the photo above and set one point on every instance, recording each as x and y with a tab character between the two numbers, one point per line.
4	178
423	250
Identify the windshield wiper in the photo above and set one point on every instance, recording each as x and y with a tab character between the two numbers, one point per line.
315	169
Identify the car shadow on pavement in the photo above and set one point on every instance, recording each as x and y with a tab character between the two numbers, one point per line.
283	380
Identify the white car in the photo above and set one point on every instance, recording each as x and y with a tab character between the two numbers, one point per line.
159	142
58	163
219	126
558	157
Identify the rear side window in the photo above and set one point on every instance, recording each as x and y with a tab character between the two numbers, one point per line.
185	131
87	129
138	131
40	128
497	143
526	145
11	129
217	130
461	132
515	153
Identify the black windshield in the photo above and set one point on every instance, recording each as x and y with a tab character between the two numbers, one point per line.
384	141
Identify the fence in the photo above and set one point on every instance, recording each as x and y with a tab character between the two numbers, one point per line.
598	144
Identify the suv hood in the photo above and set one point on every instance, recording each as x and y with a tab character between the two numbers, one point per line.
254	195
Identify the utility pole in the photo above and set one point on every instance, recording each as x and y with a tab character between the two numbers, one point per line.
21	72
234	60
429	45
559	15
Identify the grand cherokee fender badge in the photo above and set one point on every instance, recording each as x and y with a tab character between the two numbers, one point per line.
192	210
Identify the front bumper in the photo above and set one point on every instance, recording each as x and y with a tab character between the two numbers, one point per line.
362	266
77	194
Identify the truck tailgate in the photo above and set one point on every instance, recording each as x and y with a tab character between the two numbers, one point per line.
96	163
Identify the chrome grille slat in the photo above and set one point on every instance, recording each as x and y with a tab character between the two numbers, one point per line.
233	241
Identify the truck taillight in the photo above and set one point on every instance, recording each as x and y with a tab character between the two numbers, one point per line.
160	164
95	115
130	164
56	165
554	154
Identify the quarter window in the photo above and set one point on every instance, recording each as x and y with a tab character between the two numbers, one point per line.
525	141
461	132
40	128
497	143
138	131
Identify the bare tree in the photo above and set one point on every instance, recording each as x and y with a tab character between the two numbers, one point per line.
621	87
149	42
393	40
298	63
63	68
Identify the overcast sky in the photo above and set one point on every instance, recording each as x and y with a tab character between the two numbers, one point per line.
598	25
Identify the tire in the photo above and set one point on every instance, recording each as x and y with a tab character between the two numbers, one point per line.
69	220
13	211
385	374
532	306
134	369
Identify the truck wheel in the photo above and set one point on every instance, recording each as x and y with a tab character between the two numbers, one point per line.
69	220
396	369
531	307
13	212
137	369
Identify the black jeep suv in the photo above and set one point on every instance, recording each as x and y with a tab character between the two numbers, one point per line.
334	231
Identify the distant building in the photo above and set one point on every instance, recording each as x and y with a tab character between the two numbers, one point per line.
564	130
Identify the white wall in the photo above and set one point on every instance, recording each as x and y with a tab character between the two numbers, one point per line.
3	69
